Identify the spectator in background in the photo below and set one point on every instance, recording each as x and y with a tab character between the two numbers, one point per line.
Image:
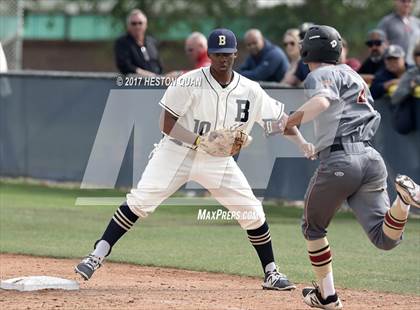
266	62
3	61
351	62
376	43
401	28
406	98
196	50
302	69
291	46
409	84
386	79
136	52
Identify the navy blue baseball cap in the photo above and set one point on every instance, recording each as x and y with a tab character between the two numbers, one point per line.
222	41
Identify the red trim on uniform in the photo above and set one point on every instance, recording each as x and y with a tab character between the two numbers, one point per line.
395	219
320	258
392	222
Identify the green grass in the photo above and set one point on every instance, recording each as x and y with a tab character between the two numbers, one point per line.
45	221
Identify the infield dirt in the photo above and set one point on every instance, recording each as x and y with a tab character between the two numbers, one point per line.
125	286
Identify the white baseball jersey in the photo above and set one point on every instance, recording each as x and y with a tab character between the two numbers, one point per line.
204	105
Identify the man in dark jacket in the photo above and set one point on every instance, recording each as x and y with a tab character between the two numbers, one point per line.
386	79
266	62
135	52
409	85
376	43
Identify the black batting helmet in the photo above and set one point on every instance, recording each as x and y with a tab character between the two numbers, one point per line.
321	44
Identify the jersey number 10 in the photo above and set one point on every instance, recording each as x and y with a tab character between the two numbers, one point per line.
201	127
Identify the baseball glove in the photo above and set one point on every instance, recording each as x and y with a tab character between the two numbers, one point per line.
224	142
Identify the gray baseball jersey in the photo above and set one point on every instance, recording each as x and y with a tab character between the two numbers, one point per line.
355	173
350	113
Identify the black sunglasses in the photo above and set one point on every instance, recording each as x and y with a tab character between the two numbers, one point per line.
374	42
136	23
289	43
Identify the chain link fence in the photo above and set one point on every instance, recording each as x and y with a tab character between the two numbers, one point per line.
11	31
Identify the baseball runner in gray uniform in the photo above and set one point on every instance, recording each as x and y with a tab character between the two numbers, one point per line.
350	169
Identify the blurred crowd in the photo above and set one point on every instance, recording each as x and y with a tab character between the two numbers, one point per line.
391	68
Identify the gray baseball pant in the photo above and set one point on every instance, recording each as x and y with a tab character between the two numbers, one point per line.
357	175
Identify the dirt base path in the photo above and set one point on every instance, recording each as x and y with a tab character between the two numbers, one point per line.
124	286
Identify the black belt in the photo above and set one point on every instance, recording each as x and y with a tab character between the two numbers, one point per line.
340	147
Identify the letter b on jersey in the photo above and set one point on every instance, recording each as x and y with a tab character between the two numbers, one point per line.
243	110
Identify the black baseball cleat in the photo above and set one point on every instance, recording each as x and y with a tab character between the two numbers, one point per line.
88	265
313	298
408	190
277	281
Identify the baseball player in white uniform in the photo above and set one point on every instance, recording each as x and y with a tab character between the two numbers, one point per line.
199	103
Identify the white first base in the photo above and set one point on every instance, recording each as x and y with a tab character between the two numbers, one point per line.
35	283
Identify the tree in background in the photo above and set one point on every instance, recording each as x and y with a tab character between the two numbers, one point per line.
353	18
204	15
173	20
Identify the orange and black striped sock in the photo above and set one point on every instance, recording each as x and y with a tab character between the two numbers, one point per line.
321	259
395	219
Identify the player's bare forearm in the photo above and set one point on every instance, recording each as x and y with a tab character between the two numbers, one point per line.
293	134
169	126
308	111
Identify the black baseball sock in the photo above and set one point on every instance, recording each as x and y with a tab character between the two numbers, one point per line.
261	240
120	223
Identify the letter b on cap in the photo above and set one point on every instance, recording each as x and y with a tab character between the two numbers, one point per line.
222	40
